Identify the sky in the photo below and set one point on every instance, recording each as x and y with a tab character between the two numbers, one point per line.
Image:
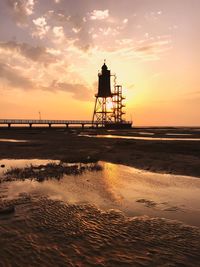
51	52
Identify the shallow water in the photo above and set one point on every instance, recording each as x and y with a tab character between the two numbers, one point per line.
91	226
21	163
141	137
179	134
145	133
132	191
12	140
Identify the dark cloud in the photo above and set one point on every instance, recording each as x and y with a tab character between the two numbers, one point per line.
78	91
14	78
38	53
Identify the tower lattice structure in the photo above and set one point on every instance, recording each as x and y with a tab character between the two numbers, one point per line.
118	105
102	112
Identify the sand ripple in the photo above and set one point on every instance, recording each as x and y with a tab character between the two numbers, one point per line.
44	232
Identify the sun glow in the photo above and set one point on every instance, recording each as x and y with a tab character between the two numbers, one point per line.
109	105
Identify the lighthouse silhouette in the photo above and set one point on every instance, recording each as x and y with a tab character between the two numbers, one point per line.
104	89
108	109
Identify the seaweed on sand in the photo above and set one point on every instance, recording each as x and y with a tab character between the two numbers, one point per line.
49	171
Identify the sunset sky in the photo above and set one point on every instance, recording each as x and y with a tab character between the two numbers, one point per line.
51	51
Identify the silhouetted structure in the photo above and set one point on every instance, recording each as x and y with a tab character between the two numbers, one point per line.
108	109
50	123
104	83
118	104
101	112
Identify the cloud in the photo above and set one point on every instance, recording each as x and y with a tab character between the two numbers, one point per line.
153	16
68	28
21	10
76	30
58	16
145	48
85	30
99	14
38	54
156	47
78	91
125	21
58	33
41	27
14	78
109	31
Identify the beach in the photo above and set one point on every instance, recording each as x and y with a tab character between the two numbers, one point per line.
70	197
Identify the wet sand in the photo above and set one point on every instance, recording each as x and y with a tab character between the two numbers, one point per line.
40	231
107	186
178	157
49	233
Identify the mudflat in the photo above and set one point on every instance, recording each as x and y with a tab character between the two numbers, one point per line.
53	213
179	154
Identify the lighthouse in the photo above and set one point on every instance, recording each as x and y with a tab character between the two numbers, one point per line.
108	108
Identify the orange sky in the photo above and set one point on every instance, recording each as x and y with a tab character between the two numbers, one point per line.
51	51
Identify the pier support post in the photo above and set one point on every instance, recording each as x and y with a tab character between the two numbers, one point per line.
30	125
67	125
49	125
9	125
83	125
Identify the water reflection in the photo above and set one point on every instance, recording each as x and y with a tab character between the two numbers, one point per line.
6	164
12	140
141	137
130	190
179	134
145	133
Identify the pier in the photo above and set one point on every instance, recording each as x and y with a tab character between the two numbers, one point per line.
50	123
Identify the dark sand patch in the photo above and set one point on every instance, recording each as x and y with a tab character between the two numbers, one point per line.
148	203
165	206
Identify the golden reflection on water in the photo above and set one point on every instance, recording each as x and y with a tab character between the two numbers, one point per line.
127	189
164	195
110	175
141	137
12	140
